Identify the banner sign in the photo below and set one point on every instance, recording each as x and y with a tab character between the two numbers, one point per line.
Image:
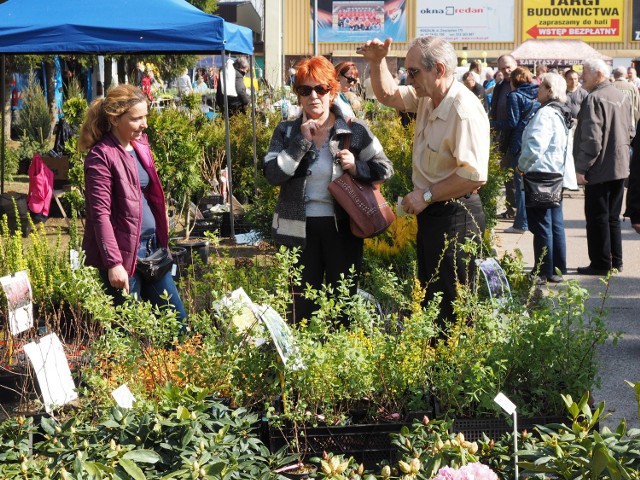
635	21
588	20
466	21
356	21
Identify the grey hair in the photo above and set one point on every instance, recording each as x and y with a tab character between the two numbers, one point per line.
241	62
557	85
619	72
597	65
436	50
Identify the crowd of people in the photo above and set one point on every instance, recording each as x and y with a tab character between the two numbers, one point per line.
559	126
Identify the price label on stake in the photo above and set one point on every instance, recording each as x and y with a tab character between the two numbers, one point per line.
506	404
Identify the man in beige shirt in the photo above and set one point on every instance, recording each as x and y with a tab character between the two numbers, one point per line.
450	160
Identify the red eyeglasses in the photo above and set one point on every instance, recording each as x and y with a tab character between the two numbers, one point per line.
305	90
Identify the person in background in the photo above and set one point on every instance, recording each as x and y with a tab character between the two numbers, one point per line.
478	90
601	155
633	77
146	85
450	162
347	73
575	93
139	74
522	102
201	86
498	116
126	215
184	83
541	70
544	149
307	153
212	78
633	192
237	103
488	84
633	95
475	67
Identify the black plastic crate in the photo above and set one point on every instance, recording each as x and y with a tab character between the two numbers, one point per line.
473	428
367	444
206	225
240	225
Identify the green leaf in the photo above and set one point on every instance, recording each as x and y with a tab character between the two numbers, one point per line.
144	456
132	469
182	413
48	425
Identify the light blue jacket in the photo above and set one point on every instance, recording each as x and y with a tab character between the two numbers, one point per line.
544	142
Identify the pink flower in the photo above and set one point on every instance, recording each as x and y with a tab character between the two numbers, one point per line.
472	471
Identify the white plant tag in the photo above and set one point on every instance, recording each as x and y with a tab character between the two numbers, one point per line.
17	288
52	371
506	404
123	396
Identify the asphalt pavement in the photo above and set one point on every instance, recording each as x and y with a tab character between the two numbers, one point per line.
622	361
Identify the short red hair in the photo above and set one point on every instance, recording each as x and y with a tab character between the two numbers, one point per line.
319	69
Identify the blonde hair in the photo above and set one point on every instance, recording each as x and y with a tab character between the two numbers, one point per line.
118	101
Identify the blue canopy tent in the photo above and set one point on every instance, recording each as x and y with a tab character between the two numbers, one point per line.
117	26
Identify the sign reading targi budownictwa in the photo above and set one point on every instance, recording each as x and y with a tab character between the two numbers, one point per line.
588	20
466	21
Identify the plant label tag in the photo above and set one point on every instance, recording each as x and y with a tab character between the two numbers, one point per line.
74	259
52	371
174	270
123	396
506	404
17	288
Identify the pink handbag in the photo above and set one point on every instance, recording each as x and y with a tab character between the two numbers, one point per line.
40	186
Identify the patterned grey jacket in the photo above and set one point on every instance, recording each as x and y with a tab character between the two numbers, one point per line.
286	165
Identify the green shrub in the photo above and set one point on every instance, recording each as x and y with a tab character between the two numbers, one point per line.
35	121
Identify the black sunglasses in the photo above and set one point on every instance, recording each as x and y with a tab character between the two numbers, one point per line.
412	72
349	79
305	90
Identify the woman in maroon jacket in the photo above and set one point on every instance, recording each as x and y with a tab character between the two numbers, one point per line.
125	204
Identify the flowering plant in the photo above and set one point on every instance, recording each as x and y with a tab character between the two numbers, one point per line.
471	471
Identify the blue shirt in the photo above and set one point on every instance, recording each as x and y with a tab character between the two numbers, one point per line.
148	220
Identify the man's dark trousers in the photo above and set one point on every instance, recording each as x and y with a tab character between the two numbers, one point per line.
602	206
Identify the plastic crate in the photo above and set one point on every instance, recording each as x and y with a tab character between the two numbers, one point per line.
240	225
473	428
368	444
206	225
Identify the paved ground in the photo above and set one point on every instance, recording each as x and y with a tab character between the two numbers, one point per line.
621	362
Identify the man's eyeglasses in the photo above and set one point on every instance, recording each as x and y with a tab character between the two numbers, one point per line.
305	90
351	80
412	72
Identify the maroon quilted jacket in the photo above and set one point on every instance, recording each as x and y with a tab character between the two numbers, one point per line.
114	203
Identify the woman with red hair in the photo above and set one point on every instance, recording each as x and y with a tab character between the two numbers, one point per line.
304	156
347	74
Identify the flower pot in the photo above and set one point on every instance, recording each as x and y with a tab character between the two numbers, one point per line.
195	248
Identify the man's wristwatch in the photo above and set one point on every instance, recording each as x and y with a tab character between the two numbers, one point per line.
427	196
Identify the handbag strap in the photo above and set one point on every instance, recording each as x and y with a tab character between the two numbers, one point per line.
346	138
